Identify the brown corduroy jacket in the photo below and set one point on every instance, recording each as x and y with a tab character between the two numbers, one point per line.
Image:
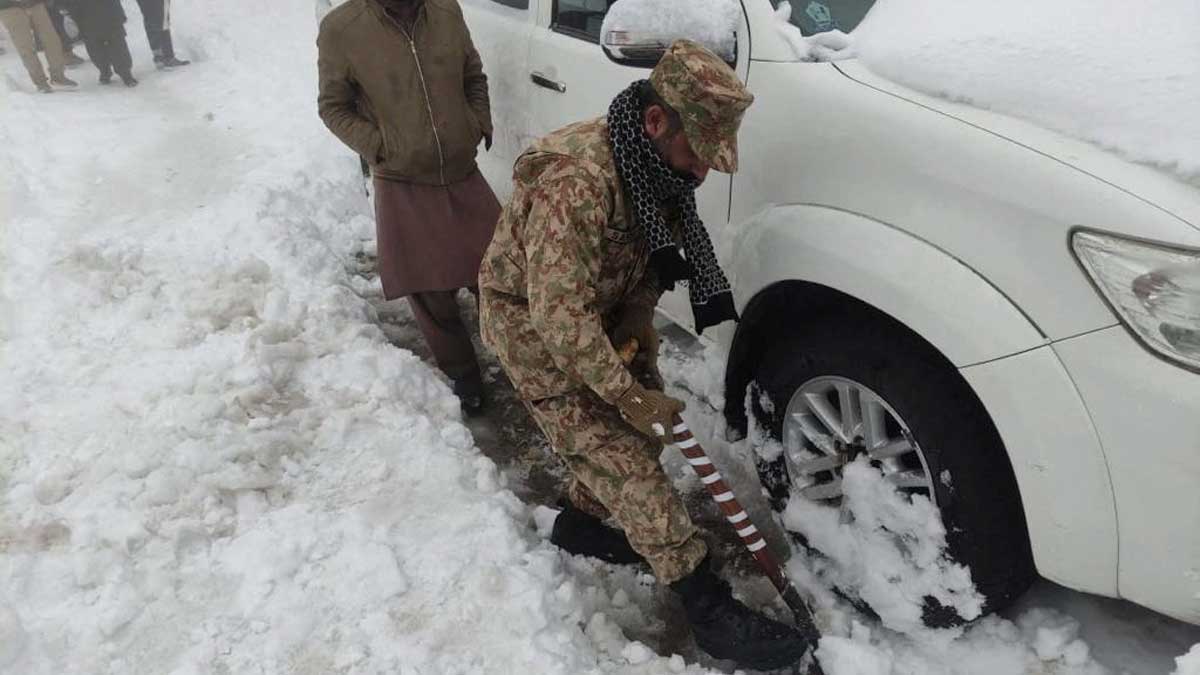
412	101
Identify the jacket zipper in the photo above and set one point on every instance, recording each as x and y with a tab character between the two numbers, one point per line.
428	106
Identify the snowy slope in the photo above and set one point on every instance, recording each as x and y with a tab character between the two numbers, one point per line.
211	460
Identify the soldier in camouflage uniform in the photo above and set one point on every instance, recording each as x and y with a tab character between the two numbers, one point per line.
588	242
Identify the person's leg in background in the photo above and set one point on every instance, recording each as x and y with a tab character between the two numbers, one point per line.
118	52
20	30
51	45
156	18
438	317
87	18
56	18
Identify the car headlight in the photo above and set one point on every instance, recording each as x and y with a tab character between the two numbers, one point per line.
1154	289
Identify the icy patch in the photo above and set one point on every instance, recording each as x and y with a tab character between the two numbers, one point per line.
891	551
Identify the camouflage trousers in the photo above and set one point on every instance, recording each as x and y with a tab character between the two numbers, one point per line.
615	471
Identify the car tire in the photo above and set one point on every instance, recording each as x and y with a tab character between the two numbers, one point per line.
972	480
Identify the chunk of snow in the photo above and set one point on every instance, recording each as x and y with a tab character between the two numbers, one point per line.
1189	663
831	45
891	550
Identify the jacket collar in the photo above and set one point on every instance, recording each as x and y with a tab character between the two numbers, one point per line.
385	10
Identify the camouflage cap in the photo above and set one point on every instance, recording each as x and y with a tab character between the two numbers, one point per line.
709	98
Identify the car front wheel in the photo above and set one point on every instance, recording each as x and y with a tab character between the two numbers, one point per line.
856	387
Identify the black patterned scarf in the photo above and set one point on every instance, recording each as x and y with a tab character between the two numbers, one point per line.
649	183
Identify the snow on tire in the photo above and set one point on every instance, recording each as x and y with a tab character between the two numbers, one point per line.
876	435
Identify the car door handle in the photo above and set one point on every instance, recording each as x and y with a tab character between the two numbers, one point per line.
543	81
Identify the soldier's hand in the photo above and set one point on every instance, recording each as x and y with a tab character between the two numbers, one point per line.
650	412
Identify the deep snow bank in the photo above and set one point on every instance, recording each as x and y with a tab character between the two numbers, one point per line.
1125	76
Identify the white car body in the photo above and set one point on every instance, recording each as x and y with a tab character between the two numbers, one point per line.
954	221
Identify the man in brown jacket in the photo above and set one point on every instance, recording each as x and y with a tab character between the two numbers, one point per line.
402	84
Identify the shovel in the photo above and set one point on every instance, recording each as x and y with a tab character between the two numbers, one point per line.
721	493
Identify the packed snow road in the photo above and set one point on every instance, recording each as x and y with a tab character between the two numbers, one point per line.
221	452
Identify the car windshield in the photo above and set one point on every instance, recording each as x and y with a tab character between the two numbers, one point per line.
820	16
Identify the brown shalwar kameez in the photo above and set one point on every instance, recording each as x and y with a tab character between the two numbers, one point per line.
431	241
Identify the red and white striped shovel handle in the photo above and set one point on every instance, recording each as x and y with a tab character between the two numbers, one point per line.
728	503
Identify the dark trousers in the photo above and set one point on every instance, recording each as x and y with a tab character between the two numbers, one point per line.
102	23
156	18
109	53
448	338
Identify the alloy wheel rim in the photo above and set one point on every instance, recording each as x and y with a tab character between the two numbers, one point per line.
831	421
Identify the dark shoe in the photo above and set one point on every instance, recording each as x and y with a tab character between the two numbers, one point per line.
469	391
64	82
45	88
582	533
727	629
170	62
472	404
129	80
106	78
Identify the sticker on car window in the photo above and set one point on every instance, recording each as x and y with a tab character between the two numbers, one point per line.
821	16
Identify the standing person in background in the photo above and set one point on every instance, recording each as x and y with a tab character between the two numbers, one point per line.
156	17
56	18
402	85
102	23
28	22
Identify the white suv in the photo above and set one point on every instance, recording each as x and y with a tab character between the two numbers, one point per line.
1000	317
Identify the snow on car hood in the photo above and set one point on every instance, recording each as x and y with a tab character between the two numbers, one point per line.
1125	77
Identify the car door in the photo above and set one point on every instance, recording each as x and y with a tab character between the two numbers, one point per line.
501	31
574	80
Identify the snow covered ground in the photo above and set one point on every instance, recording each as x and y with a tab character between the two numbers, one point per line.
213	460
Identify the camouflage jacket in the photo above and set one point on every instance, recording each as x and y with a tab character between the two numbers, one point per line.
565	259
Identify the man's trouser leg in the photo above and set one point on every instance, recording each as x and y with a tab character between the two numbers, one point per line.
97	50
154	19
118	52
620	468
19	25
448	338
51	45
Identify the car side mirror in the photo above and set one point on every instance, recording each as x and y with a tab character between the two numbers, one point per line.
638	32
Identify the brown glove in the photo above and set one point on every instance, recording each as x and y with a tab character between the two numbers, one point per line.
650	412
636	322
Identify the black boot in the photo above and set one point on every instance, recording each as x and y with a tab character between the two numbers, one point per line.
727	629
469	391
582	533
